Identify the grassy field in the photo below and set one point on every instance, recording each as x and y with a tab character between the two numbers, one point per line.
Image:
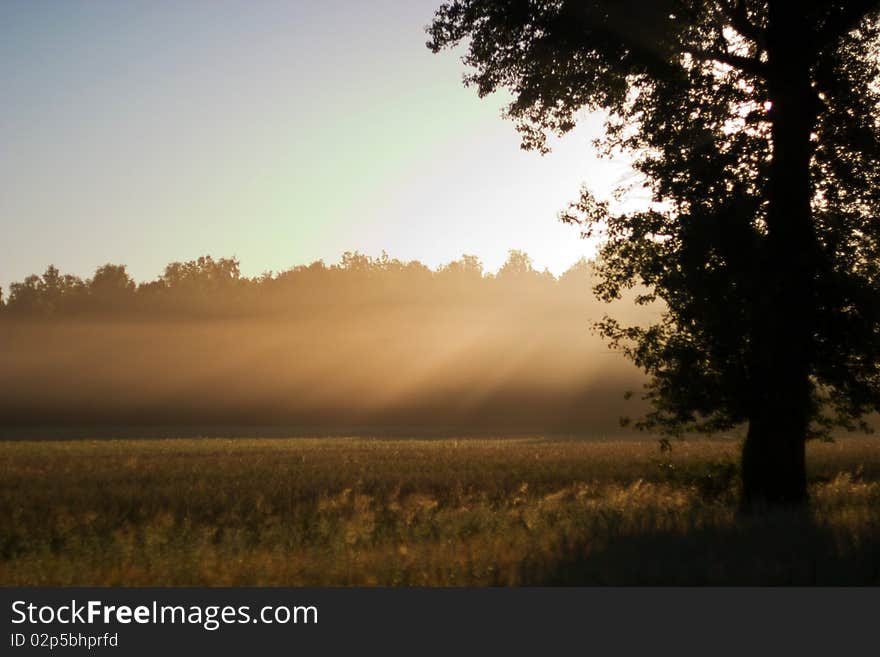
423	512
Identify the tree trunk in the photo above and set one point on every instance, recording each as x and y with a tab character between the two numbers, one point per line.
773	467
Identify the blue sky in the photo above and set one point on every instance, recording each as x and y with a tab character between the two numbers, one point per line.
277	132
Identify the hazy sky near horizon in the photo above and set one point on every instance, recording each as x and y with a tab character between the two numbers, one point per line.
279	132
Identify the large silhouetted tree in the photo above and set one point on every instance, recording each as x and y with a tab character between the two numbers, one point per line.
755	124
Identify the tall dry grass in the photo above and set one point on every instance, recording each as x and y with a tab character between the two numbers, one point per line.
351	511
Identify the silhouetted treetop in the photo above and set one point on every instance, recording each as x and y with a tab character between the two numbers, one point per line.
45	295
560	57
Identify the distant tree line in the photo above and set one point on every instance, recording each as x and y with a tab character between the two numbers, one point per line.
366	345
209	287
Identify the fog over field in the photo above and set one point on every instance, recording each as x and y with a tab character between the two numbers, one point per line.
368	345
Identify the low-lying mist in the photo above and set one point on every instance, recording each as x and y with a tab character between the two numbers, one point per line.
387	348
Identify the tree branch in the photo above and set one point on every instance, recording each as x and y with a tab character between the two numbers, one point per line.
750	65
739	19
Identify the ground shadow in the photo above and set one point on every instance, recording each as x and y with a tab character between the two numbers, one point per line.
781	549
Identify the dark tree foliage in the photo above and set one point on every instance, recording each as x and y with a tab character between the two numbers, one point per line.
213	288
755	125
44	295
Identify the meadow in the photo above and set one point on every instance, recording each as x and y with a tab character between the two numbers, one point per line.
476	512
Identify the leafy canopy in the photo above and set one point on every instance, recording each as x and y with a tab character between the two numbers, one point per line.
685	87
